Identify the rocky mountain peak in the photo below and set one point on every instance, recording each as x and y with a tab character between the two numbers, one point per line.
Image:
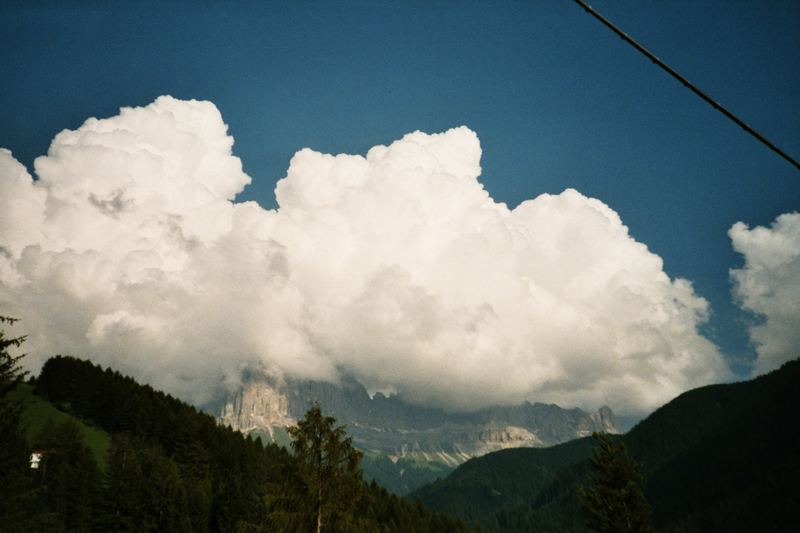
387	425
261	404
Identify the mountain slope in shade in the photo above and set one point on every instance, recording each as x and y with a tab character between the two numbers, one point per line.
39	414
502	479
717	458
169	467
419	443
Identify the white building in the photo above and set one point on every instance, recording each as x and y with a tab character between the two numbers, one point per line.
36	458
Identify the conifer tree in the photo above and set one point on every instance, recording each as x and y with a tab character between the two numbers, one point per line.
329	479
614	499
143	491
68	478
14	478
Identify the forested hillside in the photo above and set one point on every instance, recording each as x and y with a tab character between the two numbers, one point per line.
120	456
717	458
167	467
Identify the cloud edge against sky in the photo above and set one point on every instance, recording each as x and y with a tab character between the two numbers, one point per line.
396	267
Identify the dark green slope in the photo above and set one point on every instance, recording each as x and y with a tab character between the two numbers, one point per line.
725	457
39	415
168	467
717	458
501	479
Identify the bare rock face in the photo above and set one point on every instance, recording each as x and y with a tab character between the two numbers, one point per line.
390	427
259	405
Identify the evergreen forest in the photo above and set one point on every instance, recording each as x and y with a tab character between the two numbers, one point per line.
115	455
119	456
717	458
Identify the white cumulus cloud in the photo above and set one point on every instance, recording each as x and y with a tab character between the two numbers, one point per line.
769	285
396	267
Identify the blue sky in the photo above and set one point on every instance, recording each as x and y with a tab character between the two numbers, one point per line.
557	100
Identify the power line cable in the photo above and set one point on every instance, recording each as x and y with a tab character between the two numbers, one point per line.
628	39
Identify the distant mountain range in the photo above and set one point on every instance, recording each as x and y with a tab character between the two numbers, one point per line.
717	458
406	445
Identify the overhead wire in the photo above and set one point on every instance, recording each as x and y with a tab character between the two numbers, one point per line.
716	105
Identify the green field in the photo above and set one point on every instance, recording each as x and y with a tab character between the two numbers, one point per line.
40	414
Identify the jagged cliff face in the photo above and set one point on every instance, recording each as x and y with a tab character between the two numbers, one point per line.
259	406
389	426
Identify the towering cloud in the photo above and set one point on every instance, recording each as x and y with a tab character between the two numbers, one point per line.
397	268
769	285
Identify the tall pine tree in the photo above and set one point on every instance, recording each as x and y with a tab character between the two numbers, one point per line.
15	487
322	495
614	500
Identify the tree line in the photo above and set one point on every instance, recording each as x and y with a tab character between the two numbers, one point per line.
721	457
171	468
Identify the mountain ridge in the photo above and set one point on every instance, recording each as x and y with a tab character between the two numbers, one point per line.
409	436
722	457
